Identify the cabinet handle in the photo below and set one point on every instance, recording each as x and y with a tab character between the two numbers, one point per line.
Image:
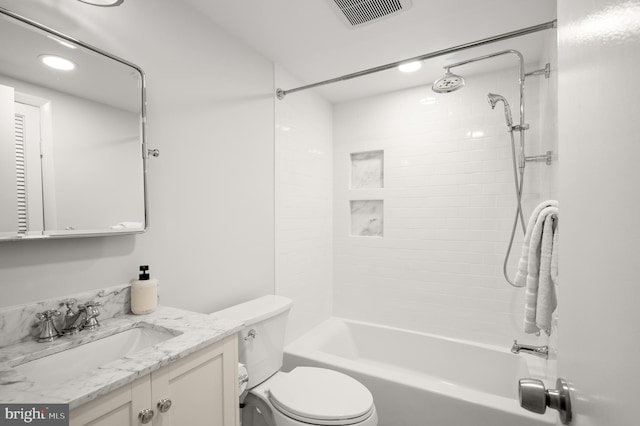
164	405
145	415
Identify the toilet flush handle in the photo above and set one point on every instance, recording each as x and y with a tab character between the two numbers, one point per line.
251	334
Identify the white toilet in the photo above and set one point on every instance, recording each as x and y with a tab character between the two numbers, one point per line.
305	396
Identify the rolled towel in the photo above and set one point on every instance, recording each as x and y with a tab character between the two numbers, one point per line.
539	260
523	264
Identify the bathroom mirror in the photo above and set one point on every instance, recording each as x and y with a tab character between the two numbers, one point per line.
72	147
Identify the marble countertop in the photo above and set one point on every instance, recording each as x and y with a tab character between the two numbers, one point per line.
193	331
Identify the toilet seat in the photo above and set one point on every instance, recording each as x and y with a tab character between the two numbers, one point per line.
321	397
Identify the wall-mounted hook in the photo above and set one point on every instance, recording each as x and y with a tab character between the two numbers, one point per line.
153	152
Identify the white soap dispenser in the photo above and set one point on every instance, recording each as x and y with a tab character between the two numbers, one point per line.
144	293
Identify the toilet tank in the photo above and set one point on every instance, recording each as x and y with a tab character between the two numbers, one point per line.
261	341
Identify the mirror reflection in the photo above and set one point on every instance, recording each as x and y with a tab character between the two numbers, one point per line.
72	149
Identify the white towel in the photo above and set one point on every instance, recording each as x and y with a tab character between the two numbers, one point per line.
547	301
523	265
540	296
554	254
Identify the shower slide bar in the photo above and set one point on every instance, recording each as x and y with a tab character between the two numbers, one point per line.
281	93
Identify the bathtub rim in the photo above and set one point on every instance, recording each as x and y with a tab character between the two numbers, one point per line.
537	367
303	348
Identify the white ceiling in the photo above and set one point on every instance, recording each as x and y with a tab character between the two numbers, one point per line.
307	38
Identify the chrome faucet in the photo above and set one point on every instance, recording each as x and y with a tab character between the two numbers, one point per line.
541	351
85	318
48	332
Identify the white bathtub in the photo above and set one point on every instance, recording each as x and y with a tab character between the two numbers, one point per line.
419	379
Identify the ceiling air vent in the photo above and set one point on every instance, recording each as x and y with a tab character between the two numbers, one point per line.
358	12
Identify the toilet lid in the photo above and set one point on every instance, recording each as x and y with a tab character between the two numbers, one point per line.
321	396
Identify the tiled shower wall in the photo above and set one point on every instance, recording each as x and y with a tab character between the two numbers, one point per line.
303	147
448	206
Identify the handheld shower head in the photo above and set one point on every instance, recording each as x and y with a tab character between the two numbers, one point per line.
448	83
494	99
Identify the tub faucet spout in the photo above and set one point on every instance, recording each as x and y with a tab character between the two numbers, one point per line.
541	351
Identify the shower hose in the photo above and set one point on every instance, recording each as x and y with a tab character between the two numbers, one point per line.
518	179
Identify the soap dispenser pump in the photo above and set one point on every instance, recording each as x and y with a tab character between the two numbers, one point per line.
144	293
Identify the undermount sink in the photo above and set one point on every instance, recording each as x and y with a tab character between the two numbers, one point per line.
69	363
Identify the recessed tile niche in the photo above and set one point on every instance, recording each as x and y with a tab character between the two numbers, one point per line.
367	170
367	218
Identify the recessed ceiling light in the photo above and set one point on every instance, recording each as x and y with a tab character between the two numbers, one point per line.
57	62
103	3
410	66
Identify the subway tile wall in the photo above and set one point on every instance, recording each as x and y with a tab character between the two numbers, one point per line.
449	206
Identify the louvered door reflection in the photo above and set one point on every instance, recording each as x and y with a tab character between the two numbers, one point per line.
21	175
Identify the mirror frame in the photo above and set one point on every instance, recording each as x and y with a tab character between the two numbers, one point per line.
143	123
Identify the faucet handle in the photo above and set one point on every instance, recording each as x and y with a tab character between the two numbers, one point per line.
47	315
89	304
91	309
49	330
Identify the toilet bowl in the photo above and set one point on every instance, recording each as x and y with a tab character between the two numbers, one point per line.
305	395
314	396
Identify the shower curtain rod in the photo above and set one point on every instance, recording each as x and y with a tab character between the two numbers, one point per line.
280	93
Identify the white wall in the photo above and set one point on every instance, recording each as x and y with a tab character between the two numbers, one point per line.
449	204
8	194
210	112
110	163
548	127
303	159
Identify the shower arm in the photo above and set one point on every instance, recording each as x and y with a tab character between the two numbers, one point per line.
546	71
522	126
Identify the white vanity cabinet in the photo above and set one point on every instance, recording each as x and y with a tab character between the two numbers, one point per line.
202	389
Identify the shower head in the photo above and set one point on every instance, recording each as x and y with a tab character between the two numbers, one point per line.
494	99
448	83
